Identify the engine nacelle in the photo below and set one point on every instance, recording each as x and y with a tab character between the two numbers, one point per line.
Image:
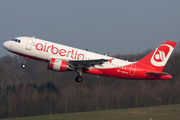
57	65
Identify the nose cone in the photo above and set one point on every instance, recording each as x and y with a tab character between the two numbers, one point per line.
6	45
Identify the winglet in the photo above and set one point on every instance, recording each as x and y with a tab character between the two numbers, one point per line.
110	60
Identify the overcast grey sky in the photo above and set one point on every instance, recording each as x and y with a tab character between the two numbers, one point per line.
103	26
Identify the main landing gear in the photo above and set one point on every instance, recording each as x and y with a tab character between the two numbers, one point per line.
79	78
23	65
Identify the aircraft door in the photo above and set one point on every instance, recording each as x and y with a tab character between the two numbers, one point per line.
29	44
132	70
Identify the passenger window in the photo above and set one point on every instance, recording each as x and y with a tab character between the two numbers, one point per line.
19	41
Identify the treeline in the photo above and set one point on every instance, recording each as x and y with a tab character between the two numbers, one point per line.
36	90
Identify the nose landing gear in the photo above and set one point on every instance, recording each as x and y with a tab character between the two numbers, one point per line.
23	65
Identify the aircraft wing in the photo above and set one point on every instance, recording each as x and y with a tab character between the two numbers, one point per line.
86	64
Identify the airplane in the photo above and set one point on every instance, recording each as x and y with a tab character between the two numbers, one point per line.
64	58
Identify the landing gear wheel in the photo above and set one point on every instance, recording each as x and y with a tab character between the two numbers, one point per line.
23	65
78	79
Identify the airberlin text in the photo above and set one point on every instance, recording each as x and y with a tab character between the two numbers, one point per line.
62	52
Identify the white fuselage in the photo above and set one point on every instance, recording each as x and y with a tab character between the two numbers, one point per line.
45	50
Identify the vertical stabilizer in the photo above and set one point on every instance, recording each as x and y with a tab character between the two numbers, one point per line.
158	58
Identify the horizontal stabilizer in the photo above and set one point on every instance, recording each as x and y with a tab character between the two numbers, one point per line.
157	74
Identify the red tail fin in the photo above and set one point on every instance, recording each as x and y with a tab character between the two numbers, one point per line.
158	58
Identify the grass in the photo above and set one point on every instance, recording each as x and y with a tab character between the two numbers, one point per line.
168	112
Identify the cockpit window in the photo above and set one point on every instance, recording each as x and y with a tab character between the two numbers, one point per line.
16	40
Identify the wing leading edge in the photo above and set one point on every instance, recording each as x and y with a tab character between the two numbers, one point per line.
86	64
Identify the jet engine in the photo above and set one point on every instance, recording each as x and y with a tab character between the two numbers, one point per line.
57	65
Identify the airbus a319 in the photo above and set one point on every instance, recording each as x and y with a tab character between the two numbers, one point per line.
64	58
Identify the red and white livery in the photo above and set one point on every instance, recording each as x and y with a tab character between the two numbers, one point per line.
63	58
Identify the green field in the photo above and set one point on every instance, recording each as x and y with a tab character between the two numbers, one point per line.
168	112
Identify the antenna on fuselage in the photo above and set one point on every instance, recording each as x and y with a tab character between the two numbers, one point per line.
33	37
